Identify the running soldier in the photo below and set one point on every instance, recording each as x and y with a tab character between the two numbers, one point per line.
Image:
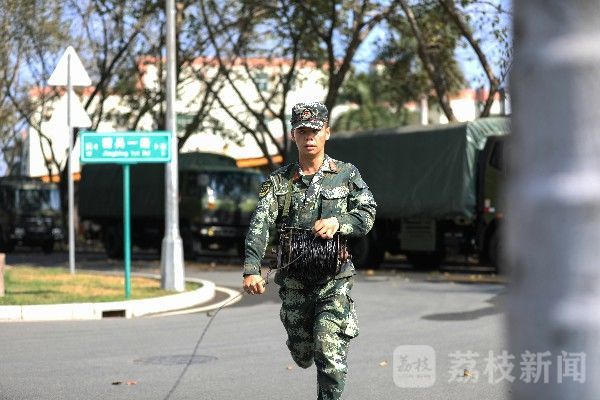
327	196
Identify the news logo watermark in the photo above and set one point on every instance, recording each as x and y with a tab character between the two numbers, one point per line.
414	366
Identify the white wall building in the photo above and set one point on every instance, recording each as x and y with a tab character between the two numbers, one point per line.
466	106
308	85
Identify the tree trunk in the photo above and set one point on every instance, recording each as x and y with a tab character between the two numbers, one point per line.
553	224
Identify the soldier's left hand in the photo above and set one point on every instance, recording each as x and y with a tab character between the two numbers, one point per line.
326	228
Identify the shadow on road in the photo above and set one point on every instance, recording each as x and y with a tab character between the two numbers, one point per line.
497	306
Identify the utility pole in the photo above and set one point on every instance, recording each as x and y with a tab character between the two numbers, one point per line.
171	263
553	214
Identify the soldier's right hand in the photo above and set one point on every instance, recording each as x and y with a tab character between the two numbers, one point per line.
254	284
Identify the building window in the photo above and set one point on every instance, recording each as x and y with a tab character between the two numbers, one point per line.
262	81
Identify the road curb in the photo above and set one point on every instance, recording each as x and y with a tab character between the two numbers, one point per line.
126	309
233	296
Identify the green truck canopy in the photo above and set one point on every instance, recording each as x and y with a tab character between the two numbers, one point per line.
425	171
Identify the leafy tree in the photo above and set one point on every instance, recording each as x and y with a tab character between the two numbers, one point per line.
375	104
34	32
143	47
109	44
440	27
432	42
339	28
218	42
326	33
489	23
244	37
116	51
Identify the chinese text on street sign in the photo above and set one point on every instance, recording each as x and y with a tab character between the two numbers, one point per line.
125	147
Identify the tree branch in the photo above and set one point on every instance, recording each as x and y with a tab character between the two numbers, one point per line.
438	83
467	33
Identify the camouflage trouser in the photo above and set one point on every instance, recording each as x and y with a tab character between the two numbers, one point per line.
320	322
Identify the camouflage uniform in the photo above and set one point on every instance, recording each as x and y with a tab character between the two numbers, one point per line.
320	320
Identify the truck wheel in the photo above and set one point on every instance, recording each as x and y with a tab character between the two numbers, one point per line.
366	252
425	261
241	249
493	251
48	246
188	251
7	246
113	242
191	244
188	245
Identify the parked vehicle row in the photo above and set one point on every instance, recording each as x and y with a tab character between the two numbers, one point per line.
437	188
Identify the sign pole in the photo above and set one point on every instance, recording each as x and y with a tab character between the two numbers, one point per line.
70	171
70	72
126	231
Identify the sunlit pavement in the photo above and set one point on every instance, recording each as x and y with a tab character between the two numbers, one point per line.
243	354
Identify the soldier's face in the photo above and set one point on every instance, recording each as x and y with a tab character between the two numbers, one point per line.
310	141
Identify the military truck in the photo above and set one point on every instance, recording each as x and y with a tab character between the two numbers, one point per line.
216	201
30	213
437	189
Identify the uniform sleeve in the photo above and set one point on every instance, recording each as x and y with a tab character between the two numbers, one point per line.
360	217
258	234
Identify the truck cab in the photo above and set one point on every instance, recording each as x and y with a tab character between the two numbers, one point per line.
491	176
218	203
30	214
216	200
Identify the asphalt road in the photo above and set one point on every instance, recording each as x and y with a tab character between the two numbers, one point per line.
243	354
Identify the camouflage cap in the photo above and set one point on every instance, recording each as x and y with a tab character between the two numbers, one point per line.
312	115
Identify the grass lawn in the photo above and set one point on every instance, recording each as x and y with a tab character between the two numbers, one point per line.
25	285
